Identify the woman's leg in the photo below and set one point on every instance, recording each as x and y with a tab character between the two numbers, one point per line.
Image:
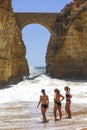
43	111
69	111
67	108
55	111
60	113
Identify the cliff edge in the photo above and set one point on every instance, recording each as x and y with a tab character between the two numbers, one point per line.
13	64
67	49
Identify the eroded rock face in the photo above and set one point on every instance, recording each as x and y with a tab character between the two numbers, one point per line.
67	51
13	64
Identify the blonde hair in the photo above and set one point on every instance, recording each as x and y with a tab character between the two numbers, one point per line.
67	88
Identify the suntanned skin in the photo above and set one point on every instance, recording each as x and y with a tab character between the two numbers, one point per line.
68	102
57	98
44	100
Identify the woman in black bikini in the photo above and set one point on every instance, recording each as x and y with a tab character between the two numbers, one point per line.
68	101
57	104
44	101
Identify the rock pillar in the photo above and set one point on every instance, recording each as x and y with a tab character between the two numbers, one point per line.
13	64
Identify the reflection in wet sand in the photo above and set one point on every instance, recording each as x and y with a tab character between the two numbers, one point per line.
26	116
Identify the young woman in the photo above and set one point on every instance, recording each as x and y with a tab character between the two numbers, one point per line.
68	101
44	101
57	104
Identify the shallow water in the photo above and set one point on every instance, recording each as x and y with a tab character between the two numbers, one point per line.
26	116
18	103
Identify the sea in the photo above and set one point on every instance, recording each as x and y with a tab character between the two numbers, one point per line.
18	103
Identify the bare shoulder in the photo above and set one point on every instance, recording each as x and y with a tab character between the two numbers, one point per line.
41	97
46	96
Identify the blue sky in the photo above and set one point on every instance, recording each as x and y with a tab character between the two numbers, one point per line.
36	36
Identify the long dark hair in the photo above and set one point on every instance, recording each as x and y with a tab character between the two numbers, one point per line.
57	91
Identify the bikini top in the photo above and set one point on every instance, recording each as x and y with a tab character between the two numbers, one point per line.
67	95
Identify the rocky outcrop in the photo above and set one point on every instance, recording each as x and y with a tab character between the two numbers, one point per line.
13	64
67	49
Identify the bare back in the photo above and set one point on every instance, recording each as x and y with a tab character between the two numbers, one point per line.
44	99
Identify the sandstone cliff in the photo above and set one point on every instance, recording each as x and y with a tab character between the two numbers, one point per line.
13	64
67	49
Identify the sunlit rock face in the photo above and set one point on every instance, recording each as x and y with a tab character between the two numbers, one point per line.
67	49
66	55
13	64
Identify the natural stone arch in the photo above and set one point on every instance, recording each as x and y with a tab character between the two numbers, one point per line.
67	48
48	20
45	19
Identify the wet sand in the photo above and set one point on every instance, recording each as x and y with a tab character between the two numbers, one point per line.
26	116
84	129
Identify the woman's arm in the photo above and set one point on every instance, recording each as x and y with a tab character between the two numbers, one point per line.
62	97
39	102
54	98
48	101
69	94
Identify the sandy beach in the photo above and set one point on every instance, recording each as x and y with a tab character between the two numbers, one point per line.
18	105
26	116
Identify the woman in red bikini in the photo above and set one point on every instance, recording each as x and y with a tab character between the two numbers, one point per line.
44	101
68	101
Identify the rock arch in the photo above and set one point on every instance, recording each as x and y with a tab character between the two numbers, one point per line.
13	64
65	58
45	19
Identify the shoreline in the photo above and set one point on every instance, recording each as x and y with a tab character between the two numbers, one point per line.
25	116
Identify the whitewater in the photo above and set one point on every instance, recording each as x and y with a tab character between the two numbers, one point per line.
18	104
